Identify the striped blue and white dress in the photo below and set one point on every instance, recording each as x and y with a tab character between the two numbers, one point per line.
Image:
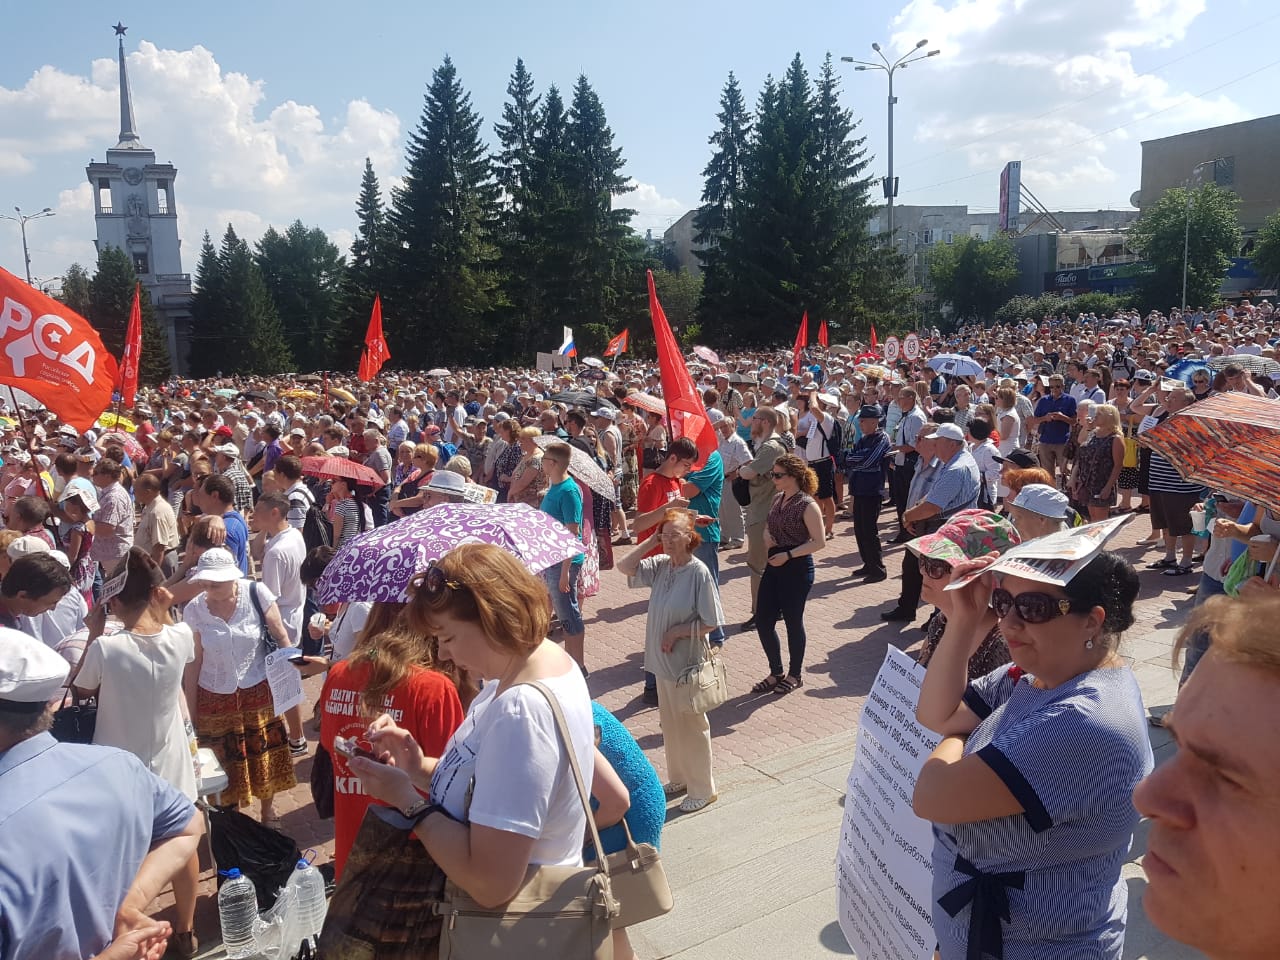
1045	884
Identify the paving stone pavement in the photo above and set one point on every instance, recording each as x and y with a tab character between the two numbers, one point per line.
759	863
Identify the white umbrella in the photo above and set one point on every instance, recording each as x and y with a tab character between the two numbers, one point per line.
439	372
955	365
593	362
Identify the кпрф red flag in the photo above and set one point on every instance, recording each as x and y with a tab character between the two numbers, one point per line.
802	341
822	335
617	345
685	409
376	352
131	358
50	351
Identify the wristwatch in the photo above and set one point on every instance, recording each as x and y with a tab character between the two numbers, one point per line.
417	811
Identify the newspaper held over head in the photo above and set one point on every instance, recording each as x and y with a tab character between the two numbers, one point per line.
1055	558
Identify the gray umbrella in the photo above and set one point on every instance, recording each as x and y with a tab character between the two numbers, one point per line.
1263	366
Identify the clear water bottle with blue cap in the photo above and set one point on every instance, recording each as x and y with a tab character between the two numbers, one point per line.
238	912
310	906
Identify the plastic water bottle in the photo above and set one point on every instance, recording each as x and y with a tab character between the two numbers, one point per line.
307	884
238	912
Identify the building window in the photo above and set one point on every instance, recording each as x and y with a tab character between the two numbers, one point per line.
162	197
926	237
104	195
140	264
949	237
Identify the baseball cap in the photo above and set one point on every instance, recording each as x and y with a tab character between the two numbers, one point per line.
608	413
870	411
949	431
1021	457
968	535
715	415
25	546
31	674
226	432
228	450
1042	499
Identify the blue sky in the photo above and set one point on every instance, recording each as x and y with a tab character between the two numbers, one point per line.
269	108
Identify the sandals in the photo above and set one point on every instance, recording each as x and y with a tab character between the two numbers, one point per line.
670	790
1163	563
693	805
768	685
787	684
1177	570
298	748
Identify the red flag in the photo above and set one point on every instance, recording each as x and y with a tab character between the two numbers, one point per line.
822	335
127	375
802	341
875	341
53	353
617	345
684	402
376	352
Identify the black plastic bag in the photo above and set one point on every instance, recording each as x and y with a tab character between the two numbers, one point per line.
265	856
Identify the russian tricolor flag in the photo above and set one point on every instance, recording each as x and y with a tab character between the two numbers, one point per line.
567	349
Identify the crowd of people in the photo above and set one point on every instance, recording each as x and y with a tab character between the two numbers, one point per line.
152	563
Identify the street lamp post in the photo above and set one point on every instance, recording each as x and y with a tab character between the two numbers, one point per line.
21	220
1192	181
911	56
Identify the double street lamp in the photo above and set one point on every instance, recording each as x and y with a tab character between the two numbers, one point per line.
914	55
21	219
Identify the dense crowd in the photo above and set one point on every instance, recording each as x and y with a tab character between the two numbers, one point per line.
153	563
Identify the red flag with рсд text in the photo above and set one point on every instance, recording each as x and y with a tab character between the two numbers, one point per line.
53	353
617	345
685	409
802	341
822	335
376	352
127	376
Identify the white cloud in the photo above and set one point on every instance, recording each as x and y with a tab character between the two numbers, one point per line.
240	158
1049	84
653	211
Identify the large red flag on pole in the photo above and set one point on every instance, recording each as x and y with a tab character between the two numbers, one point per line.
53	353
875	342
376	352
617	345
822	335
684	402
127	376
802	341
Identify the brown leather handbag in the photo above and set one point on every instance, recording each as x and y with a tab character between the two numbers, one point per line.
559	913
639	882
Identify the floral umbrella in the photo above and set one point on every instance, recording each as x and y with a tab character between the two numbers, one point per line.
647	402
583	467
334	468
380	564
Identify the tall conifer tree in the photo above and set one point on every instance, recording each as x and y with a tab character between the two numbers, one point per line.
368	273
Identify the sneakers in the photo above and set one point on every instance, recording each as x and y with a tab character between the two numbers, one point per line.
694	804
298	748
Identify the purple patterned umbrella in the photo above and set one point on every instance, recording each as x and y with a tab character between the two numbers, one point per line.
380	563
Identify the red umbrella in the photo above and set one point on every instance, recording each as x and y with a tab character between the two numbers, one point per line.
131	446
335	468
647	402
707	354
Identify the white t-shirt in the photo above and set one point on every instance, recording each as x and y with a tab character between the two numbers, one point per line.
815	444
508	759
282	575
346	626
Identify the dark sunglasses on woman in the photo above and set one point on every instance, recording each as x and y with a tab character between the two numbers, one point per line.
1031	607
934	569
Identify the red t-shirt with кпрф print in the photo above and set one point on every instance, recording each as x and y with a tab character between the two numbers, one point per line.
425	703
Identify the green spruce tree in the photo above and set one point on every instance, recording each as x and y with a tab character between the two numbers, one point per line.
208	312
444	215
109	305
252	341
76	289
303	271
366	275
721	195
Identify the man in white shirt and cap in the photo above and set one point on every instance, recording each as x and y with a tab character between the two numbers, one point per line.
88	836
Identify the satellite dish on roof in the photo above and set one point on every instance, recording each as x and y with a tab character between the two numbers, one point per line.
1135	198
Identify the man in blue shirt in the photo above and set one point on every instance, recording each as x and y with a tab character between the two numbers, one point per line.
1054	416
865	468
703	488
563	501
88	836
217	493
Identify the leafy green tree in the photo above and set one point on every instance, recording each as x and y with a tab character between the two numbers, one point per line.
444	215
76	289
1161	235
110	303
366	275
1266	251
679	291
303	271
975	276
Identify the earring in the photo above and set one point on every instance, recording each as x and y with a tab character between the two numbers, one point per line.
1088	644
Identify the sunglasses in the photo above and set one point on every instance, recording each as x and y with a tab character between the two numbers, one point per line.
434	582
934	569
1031	607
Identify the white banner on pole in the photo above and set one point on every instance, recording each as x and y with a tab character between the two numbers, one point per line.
884	871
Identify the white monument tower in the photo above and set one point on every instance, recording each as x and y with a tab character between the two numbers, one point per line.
134	210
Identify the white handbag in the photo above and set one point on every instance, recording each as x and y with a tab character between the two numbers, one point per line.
703	685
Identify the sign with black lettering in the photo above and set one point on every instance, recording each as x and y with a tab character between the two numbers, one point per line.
884	870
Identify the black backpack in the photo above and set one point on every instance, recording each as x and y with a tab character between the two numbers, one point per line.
316	531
